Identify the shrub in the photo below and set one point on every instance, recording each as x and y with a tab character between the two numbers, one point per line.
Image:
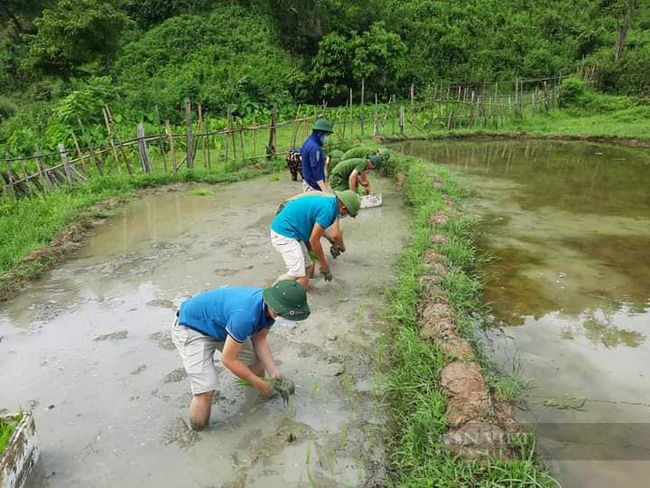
7	108
573	93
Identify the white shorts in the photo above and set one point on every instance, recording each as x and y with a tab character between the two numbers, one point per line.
294	254
197	352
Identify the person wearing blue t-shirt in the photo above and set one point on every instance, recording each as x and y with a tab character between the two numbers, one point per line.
313	158
302	221
236	321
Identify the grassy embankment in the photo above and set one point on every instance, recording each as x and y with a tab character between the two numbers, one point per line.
621	125
416	399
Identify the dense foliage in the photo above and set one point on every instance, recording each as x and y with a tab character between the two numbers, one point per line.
63	59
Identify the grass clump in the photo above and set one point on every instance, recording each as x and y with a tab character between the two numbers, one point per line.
417	405
7	427
201	192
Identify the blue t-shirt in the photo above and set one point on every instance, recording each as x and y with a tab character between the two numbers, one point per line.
298	217
235	311
313	161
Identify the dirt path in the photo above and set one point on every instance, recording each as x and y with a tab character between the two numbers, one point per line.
87	348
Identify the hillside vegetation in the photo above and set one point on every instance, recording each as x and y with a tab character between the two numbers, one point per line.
62	60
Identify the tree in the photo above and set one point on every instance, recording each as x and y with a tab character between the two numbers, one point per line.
74	33
19	13
623	28
342	61
298	24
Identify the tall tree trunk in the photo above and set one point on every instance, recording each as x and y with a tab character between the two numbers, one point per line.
622	31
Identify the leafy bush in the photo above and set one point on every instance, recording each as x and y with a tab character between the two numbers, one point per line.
376	55
223	60
73	33
7	108
574	92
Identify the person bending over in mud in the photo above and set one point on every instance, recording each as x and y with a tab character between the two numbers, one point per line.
235	320
301	222
354	172
365	152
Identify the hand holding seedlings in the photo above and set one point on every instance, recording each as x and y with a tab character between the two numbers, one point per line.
327	274
335	251
285	387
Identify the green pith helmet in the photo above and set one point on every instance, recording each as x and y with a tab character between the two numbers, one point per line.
376	160
323	125
289	299
336	154
350	200
384	153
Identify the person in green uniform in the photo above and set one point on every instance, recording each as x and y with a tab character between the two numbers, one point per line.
334	158
354	172
366	151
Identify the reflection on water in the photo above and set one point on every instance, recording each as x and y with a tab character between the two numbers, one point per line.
567	226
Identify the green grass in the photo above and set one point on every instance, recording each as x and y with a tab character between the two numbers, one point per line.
617	124
7	427
201	192
417	405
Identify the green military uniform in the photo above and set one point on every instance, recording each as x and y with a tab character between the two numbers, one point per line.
341	174
336	157
359	152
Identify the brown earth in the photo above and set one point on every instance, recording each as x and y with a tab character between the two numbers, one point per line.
478	424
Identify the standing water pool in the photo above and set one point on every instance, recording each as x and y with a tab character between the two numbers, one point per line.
568	226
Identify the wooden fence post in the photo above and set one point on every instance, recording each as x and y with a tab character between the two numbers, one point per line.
10	178
170	137
232	135
270	149
119	144
47	184
255	137
532	107
79	155
160	140
412	97
203	149
351	117
29	190
188	126
296	126
402	120
110	139
142	147
98	161
375	129
363	96
66	165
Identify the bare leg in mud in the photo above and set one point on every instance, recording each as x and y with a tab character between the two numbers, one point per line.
201	404
200	408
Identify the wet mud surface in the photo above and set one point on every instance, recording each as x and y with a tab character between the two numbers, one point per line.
568	226
87	347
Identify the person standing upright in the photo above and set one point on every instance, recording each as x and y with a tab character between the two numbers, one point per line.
313	158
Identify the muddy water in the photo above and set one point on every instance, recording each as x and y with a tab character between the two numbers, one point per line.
87	348
569	227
